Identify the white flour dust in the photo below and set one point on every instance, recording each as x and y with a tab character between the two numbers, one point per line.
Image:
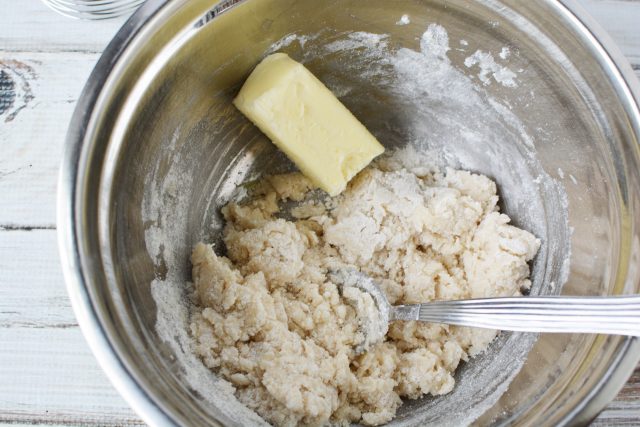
432	107
435	41
404	20
490	68
270	296
360	40
165	209
288	40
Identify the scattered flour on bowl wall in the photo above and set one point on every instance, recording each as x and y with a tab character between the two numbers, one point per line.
172	297
490	68
404	20
164	208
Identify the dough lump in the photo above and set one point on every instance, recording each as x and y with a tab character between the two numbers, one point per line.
270	322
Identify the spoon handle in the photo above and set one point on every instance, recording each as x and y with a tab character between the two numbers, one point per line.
619	315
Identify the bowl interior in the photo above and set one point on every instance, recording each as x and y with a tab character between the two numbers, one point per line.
544	120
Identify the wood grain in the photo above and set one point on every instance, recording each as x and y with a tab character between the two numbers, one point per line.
47	373
33	129
625	409
621	19
30	26
40	302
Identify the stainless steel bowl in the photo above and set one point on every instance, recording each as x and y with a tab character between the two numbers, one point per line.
155	147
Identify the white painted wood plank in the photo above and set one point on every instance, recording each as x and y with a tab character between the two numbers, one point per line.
625	409
29	25
47	372
32	291
50	375
32	131
46	423
621	19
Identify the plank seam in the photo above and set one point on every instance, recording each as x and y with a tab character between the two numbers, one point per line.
16	227
34	325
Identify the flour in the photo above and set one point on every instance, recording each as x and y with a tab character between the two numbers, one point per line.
288	40
573	179
404	20
365	43
490	68
272	322
372	308
165	209
440	113
372	326
435	41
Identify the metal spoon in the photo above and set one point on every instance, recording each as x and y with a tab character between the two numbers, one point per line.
618	315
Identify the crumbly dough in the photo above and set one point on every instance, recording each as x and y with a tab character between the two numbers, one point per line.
270	322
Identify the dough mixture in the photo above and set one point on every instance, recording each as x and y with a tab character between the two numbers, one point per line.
270	322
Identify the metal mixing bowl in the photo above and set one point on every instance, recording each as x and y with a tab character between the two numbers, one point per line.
155	148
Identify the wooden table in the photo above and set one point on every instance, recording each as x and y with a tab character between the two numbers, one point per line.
47	373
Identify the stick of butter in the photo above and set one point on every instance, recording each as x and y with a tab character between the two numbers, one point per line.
306	121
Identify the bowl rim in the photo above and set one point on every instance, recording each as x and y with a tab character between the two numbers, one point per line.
69	229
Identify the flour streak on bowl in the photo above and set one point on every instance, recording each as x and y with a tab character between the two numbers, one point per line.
155	148
418	80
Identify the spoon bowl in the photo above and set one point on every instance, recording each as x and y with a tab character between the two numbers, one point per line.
619	315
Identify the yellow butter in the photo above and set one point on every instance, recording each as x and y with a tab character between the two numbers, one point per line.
306	121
